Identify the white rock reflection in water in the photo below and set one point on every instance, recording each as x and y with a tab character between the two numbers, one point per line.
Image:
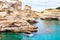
30	35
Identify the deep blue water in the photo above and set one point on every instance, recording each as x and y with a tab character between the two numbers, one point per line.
47	30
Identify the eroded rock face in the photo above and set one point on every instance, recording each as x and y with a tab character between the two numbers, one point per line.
15	21
50	14
30	12
16	26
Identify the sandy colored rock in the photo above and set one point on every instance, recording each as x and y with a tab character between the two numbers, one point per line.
13	19
49	14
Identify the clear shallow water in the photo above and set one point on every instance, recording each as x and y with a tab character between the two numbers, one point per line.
47	30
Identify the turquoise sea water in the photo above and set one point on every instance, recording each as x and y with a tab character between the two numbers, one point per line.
47	30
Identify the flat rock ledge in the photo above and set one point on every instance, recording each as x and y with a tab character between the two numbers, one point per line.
16	25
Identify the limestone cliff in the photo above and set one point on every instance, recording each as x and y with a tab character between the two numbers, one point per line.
51	14
13	19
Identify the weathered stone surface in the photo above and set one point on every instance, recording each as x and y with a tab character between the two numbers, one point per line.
31	21
16	26
13	19
50	14
30	12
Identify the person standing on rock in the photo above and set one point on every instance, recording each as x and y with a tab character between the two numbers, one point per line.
0	38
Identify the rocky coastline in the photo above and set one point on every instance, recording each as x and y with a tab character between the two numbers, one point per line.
50	14
13	19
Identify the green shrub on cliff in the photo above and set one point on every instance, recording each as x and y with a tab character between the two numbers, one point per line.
58	8
42	11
